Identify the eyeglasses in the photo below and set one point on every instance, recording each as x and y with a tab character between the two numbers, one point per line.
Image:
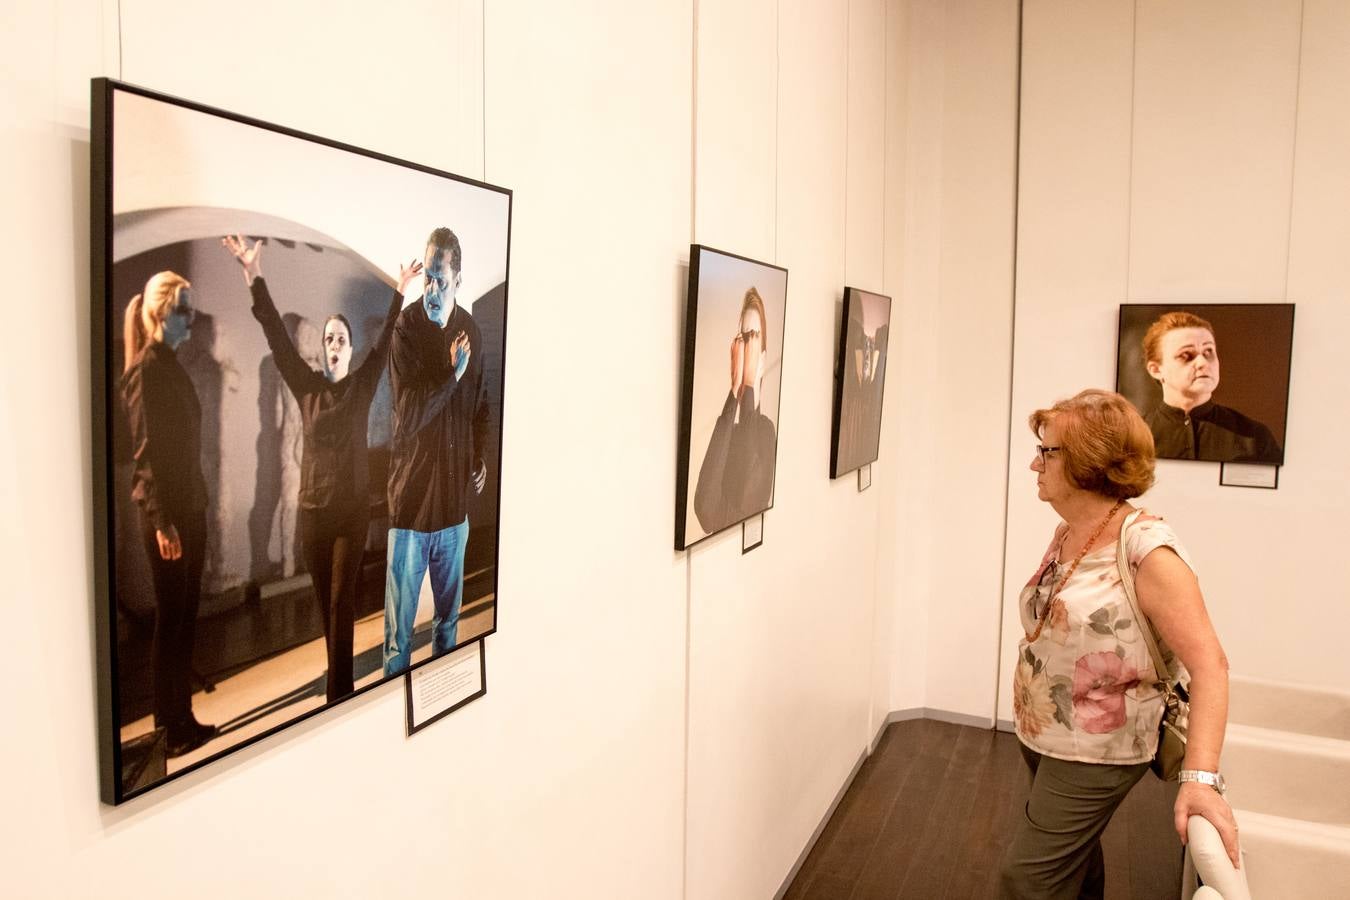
747	336
1041	450
188	313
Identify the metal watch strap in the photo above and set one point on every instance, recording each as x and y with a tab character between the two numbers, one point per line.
1213	779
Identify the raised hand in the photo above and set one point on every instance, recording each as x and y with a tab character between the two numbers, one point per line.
246	256
406	274
170	547
737	363
459	354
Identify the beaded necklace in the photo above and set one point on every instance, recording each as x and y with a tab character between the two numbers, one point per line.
1056	588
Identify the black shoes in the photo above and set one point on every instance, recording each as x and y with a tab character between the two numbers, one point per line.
187	736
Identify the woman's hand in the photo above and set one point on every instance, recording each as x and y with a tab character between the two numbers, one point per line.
170	547
246	256
737	364
1195	799
406	274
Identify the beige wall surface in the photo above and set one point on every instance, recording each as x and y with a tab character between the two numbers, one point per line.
657	724
664	724
1194	151
780	675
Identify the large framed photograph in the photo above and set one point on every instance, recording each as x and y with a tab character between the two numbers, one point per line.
297	403
859	380
733	366
1211	379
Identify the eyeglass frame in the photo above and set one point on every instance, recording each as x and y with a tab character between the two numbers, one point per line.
1041	450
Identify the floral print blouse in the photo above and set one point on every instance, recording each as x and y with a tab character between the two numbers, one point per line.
1085	689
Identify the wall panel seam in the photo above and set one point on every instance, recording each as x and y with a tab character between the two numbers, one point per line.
1293	150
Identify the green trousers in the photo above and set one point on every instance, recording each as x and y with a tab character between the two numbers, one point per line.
1056	853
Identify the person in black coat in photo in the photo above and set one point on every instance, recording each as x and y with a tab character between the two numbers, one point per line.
334	468
736	478
165	420
1181	354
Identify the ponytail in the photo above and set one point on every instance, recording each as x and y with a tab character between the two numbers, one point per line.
133	333
147	311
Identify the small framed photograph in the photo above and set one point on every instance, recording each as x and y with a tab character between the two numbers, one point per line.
440	687
1210	379
733	373
859	381
752	533
1249	475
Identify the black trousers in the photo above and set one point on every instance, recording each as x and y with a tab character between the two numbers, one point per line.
334	542
178	593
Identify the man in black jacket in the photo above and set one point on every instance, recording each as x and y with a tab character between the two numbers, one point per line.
440	419
1181	353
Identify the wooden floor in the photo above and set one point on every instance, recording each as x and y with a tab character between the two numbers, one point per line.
930	812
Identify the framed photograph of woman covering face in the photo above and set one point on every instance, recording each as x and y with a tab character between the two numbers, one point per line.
298	383
1210	379
859	380
733	365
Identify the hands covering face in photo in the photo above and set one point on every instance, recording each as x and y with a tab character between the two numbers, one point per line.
747	353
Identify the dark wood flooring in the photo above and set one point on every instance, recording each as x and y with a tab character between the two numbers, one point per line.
930	812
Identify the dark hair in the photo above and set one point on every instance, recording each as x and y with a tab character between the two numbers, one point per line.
1106	445
444	239
339	317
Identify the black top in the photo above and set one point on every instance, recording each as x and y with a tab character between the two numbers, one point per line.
334	470
166	437
440	424
1211	432
736	479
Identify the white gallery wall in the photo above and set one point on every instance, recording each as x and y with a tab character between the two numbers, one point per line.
1196	152
663	724
658	724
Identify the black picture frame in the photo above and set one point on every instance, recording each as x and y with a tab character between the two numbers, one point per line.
123	245
859	381
720	284
1246	418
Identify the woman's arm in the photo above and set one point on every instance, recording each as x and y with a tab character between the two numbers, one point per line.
146	397
711	507
297	374
378	357
1169	596
294	370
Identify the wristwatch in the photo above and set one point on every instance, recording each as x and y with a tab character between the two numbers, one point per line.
1213	779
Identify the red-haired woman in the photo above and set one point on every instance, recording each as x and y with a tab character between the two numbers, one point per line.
1086	697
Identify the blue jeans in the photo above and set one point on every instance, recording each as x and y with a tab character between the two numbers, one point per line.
411	553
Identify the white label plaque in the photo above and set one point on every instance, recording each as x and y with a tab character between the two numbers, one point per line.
443	685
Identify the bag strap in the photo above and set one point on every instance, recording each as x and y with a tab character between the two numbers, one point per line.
1145	627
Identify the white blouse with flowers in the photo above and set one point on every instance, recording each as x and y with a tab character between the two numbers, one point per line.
1086	689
